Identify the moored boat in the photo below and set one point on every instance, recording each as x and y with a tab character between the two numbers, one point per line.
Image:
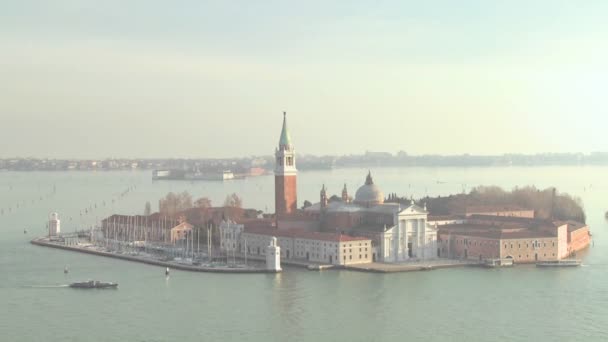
559	263
491	263
93	284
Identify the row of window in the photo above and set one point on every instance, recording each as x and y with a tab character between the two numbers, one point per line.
535	244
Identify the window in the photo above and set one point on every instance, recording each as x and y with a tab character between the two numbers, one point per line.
359	256
350	257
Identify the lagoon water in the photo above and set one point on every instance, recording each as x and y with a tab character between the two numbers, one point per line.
465	304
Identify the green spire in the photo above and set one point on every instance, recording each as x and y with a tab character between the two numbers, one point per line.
285	137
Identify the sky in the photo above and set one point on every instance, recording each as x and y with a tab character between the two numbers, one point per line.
196	79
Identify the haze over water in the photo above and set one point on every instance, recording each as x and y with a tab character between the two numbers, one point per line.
518	304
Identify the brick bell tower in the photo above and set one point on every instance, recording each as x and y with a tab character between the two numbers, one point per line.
285	175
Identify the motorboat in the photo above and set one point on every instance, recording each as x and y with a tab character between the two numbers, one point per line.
559	263
93	284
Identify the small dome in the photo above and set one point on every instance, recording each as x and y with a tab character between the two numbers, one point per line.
369	194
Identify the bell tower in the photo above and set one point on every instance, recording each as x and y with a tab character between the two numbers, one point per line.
285	174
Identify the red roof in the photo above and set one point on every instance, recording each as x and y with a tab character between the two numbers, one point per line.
304	234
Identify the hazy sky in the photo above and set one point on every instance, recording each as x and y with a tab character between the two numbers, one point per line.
211	78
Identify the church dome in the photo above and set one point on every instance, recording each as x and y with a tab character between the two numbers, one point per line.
369	194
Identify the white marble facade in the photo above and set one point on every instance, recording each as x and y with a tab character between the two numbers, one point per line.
410	239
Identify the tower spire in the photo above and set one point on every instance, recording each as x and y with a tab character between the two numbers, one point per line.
285	140
368	179
344	194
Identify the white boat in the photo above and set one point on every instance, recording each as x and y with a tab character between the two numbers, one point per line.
559	263
498	262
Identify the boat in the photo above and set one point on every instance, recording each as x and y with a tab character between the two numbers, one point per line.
93	284
559	263
491	263
167	272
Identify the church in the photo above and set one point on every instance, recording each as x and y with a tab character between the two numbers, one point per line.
397	233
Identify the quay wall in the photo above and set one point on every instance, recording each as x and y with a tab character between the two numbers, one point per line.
41	242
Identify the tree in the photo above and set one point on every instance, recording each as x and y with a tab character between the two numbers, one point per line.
174	203
203	202
233	201
306	204
147	209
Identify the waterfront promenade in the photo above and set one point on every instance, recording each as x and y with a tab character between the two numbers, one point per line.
375	267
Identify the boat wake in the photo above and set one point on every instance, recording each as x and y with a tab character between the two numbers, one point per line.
45	286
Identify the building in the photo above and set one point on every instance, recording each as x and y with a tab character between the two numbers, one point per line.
314	247
230	236
524	240
398	234
180	232
285	174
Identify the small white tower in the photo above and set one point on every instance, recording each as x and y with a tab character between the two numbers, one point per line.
54	224
273	256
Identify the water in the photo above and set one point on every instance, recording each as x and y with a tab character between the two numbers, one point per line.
518	304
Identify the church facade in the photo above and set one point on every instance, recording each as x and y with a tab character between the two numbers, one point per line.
398	233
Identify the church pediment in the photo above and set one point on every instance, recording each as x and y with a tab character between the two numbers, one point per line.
413	210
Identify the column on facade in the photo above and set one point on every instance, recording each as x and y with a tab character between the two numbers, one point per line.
405	249
422	230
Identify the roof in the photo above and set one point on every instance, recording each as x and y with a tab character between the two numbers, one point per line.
572	225
373	227
369	193
502	235
493	208
494	232
431	218
285	140
304	234
512	219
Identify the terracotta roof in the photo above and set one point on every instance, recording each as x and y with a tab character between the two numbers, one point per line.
304	234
